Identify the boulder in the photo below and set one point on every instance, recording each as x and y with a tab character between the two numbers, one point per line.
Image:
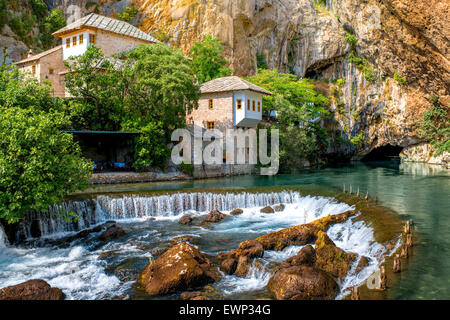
186	219
182	267
214	216
106	254
31	290
229	266
242	267
112	232
279	208
194	295
302	234
236	212
362	263
238	261
306	256
267	209
302	283
332	259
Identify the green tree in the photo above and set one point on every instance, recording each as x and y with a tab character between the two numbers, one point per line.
128	14
435	126
161	88
39	165
53	22
96	83
296	103
208	60
24	91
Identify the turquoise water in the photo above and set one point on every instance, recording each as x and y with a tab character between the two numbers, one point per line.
416	191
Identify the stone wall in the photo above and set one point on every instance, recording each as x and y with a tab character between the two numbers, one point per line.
222	112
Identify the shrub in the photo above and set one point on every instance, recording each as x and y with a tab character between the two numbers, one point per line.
401	80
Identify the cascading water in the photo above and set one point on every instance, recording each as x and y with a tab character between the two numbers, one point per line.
3	238
103	208
79	272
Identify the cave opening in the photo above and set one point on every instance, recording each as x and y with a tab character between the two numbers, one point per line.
384	153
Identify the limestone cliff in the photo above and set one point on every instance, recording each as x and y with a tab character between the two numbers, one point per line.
307	37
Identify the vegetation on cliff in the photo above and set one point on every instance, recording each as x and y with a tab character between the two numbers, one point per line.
208	60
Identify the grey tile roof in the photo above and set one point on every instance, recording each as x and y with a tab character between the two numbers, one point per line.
39	55
231	84
108	24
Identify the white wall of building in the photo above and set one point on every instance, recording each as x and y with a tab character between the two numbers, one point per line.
246	117
78	49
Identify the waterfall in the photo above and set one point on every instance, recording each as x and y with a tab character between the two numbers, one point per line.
3	238
102	208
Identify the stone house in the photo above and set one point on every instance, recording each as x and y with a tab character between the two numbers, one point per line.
110	35
229	102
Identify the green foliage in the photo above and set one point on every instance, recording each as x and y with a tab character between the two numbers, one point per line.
358	140
261	61
39	165
320	5
340	82
161	85
98	88
23	91
53	22
22	26
208	60
149	93
363	65
351	39
161	34
186	168
292	98
401	80
435	127
128	14
296	102
150	146
39	8
3	14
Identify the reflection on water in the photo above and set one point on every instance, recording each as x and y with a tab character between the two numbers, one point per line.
418	191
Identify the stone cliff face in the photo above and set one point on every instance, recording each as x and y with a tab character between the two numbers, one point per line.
407	37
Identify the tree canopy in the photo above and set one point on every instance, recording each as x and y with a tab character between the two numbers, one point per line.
39	164
208	60
297	105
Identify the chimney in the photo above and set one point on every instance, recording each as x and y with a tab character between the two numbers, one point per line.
30	53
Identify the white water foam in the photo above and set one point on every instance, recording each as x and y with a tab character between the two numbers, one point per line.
357	237
3	238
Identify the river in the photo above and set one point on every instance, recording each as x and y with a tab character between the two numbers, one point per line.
415	191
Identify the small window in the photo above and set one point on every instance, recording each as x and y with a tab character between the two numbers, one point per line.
211	104
80	39
254	105
259	106
248	105
211	125
74	41
68	43
50	71
33	69
92	39
239	104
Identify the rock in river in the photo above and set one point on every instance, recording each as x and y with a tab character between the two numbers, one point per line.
267	209
214	216
31	290
182	267
186	219
302	283
113	231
